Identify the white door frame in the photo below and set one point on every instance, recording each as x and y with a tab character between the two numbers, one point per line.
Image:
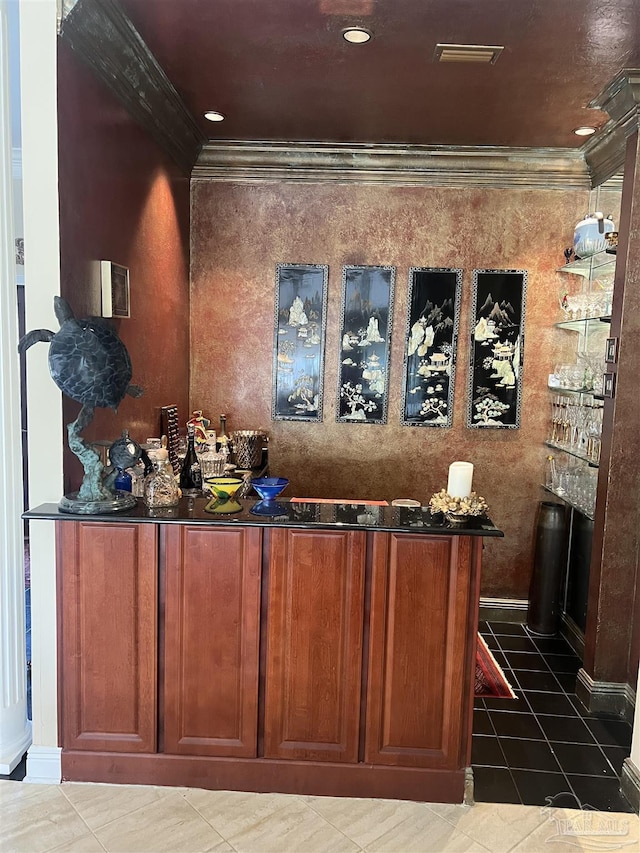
38	70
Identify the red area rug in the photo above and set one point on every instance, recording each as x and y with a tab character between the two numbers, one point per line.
490	680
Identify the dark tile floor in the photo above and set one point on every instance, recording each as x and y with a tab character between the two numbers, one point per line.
544	743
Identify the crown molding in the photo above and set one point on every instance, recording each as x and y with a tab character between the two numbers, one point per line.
605	152
396	165
63	7
106	40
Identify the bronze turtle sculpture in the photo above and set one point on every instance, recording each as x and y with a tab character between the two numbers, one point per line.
87	360
89	363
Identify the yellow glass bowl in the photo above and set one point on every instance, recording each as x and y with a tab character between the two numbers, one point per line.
224	491
223	488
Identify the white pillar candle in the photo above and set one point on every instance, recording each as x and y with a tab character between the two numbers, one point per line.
460	478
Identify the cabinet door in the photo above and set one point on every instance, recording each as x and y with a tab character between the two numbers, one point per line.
422	645
314	648
212	638
108	626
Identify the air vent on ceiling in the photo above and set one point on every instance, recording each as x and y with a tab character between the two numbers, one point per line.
483	53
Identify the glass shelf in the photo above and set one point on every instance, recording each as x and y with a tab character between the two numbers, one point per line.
571	452
566	500
602	262
558	390
581	325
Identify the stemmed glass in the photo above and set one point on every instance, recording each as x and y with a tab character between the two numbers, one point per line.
594	432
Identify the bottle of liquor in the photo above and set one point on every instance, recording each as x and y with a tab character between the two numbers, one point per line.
224	444
190	473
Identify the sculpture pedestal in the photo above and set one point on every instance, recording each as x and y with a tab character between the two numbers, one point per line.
120	500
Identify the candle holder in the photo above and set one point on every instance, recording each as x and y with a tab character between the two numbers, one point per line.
458	511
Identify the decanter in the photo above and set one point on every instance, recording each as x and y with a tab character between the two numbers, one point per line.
160	486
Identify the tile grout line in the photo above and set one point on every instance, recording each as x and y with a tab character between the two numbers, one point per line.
326	819
546	740
63	791
563	692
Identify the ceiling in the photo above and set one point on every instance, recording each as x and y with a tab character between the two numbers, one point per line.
280	69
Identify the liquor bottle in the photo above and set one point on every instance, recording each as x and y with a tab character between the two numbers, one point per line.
190	473
224	444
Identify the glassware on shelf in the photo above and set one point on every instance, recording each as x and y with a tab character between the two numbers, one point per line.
576	425
575	482
561	373
550	472
583	298
594	433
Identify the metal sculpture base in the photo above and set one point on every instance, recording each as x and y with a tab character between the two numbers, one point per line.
73	503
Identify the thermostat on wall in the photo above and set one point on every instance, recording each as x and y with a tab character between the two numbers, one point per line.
114	282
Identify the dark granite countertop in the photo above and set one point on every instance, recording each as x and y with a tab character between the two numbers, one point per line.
285	514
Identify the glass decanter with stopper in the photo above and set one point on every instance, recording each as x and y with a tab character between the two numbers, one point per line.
160	487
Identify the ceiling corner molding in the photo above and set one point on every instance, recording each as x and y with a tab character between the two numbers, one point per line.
396	165
605	152
106	40
63	9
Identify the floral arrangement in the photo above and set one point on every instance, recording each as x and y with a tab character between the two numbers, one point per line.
442	501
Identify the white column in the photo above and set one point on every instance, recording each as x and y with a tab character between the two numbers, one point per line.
38	34
15	729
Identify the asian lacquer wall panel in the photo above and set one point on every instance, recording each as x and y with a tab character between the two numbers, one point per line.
497	349
298	360
433	317
365	343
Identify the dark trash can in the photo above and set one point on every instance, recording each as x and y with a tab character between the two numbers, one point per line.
549	564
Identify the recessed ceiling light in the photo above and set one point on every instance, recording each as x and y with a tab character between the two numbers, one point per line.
356	35
214	115
584	131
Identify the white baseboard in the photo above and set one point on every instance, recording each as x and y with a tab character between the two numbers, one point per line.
44	765
13	752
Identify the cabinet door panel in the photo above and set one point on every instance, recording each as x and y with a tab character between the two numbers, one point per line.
314	650
420	630
212	640
108	577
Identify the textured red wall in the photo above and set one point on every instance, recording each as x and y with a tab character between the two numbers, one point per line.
122	199
240	232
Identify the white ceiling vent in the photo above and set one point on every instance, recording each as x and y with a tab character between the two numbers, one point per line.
482	53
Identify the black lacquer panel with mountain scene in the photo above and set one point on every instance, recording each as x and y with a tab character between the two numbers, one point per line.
497	349
365	343
433	317
298	348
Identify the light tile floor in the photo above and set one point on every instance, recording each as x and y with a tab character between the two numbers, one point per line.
82	818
